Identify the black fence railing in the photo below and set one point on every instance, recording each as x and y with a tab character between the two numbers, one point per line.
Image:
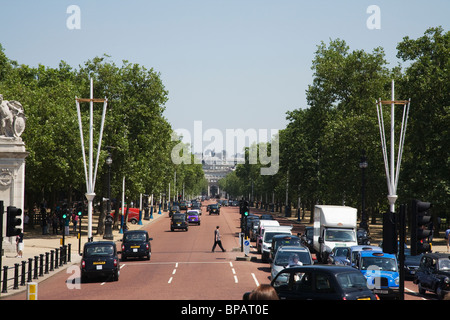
37	267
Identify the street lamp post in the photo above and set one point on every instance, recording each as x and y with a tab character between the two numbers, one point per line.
363	165
108	221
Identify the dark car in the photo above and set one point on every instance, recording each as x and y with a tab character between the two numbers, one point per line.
411	264
173	209
179	221
363	236
214	208
283	240
100	259
434	274
307	238
322	282
136	243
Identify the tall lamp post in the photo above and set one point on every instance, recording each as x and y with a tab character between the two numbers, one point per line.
108	221
363	165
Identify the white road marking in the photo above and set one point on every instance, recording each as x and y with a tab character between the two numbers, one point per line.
254	278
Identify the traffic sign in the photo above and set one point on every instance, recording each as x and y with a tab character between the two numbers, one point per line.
246	247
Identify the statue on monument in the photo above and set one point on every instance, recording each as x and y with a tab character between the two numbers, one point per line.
12	118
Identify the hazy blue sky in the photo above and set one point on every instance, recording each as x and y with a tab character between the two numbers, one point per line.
229	63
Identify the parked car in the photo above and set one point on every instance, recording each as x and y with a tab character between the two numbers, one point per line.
322	282
290	256
179	221
133	214
434	274
100	259
193	216
214	208
136	243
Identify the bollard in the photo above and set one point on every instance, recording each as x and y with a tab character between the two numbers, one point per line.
5	279
32	289
56	259
16	276
61	255
46	263
36	265
30	264
65	254
41	265
69	248
22	276
52	259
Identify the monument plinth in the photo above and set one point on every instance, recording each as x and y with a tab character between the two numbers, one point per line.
12	162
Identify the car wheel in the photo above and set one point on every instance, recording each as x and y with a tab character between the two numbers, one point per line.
420	288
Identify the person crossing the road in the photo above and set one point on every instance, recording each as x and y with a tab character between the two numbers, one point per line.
217	240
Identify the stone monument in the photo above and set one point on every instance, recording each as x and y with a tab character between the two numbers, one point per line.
12	161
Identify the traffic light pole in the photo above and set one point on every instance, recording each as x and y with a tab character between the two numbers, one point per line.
401	253
1	237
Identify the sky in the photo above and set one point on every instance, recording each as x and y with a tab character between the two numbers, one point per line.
227	64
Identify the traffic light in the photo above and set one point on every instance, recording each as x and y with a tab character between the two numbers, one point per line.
245	209
80	209
420	220
13	221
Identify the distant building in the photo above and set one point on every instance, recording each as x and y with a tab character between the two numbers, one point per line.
216	166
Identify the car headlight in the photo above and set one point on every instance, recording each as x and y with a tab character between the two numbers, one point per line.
446	280
397	281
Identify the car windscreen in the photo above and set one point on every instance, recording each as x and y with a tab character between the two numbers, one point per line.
286	258
444	264
379	263
352	280
179	218
340	235
214	206
192	213
135	237
99	250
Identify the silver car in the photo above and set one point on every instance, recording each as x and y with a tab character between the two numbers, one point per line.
290	257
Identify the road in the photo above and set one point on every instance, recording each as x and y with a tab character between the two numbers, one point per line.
182	267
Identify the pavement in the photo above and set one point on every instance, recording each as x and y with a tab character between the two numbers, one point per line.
35	244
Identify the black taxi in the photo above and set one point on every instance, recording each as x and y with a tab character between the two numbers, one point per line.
136	244
322	282
179	221
100	259
433	274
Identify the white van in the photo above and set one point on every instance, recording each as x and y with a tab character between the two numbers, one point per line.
269	233
262	225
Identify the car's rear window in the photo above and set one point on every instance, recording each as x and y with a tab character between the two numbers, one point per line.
352	280
99	250
135	237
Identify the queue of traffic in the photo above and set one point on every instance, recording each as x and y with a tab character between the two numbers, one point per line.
331	241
